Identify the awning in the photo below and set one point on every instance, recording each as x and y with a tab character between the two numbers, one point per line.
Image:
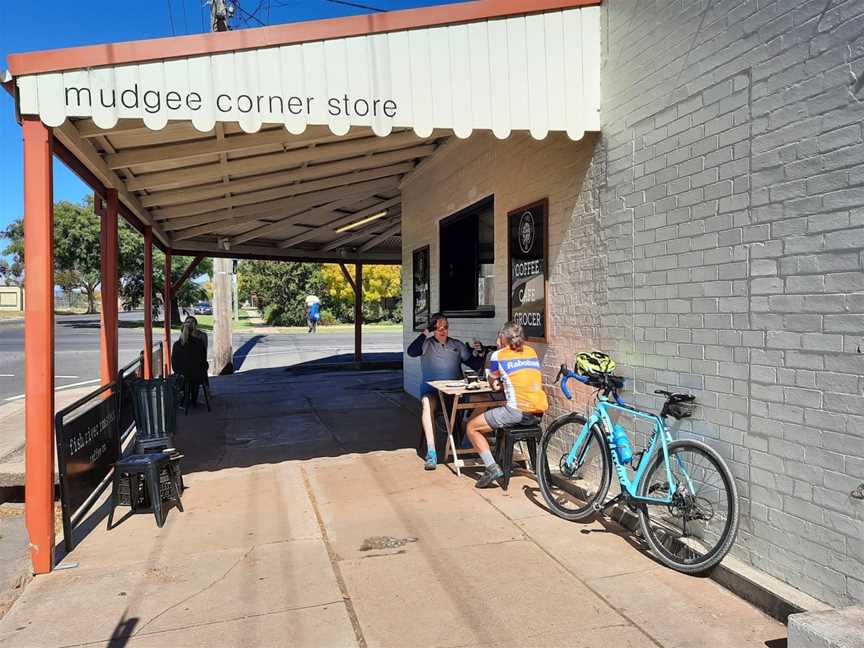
270	141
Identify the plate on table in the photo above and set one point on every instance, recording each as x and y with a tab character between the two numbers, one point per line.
455	384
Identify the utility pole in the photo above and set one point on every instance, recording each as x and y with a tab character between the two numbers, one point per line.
236	300
222	350
219	15
223	354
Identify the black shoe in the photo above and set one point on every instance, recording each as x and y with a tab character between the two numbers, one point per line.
492	473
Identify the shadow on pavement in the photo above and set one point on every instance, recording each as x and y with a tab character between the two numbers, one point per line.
243	351
264	416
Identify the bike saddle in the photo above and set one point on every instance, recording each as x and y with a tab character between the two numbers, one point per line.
676	398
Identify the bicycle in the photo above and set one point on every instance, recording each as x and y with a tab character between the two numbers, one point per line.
682	490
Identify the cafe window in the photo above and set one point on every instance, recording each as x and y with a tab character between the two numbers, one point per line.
467	244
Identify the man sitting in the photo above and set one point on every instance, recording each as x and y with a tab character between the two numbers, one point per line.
516	367
441	358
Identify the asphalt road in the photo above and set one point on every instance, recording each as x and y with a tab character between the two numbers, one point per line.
76	349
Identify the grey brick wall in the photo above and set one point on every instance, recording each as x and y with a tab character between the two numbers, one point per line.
721	249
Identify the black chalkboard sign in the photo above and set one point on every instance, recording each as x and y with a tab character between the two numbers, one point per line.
421	292
527	263
88	445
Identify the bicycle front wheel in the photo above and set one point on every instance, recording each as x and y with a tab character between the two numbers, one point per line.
571	491
696	530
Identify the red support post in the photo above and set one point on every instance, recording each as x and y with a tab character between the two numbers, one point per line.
358	312
109	287
148	302
39	343
166	316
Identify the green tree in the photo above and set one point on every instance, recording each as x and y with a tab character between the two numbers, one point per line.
13	268
280	287
77	256
132	285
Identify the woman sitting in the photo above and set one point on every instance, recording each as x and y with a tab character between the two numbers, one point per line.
189	359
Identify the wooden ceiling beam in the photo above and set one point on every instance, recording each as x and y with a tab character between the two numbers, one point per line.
378	239
275	161
259	210
211	248
87	127
279	226
174	197
339	222
87	154
287	190
229	144
356	234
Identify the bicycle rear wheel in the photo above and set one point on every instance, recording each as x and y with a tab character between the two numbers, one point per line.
695	531
572	491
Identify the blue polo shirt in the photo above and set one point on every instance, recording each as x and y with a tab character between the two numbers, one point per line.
439	361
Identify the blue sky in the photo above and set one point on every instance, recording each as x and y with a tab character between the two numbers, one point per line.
31	25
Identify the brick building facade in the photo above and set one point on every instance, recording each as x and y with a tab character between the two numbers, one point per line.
711	238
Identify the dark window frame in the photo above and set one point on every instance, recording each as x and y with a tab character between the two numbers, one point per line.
467	212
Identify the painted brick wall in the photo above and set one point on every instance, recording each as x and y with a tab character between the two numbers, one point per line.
712	240
518	171
733	233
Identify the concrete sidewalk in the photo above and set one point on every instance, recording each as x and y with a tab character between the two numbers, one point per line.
310	522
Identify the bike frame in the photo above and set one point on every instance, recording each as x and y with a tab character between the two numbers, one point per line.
600	417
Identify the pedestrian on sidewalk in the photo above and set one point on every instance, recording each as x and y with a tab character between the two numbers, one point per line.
313	312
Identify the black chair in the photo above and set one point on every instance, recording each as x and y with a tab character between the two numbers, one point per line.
145	483
155	414
190	393
506	438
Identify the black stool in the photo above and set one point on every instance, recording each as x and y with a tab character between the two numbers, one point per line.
159	485
174	457
506	438
190	394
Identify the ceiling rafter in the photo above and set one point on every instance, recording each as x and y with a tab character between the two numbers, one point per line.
343	220
283	191
378	239
274	161
260	210
85	151
225	144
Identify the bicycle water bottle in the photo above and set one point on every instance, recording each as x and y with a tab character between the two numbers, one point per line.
622	444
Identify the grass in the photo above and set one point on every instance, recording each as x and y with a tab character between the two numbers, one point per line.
342	327
205	322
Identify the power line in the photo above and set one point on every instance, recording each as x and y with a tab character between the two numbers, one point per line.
251	16
171	17
356	5
185	20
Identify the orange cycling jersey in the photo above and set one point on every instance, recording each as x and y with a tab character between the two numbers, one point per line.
523	382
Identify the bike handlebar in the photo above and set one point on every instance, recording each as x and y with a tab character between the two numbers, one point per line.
565	375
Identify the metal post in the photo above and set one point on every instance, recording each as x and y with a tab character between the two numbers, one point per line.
166	317
358	312
39	343
148	302
109	287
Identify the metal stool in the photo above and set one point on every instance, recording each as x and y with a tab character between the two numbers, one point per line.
144	483
506	438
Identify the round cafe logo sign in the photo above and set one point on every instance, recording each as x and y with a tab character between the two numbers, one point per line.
526	232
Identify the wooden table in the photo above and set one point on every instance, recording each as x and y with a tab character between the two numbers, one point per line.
457	389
